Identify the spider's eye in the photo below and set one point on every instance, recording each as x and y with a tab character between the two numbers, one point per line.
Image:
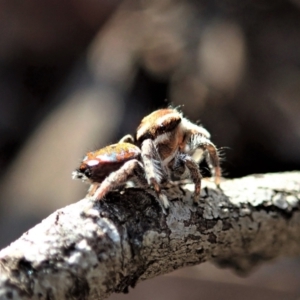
167	125
87	172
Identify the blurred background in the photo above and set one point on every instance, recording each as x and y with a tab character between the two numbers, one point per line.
78	75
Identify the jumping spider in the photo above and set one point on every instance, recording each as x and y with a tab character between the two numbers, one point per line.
179	144
111	166
165	145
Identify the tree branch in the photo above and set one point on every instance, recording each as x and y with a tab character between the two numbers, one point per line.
89	250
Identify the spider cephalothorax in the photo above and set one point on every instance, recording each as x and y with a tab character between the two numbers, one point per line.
166	137
111	166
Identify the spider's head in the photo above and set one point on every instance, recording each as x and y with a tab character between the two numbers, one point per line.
160	123
83	173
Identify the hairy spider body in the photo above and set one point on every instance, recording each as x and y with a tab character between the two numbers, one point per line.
165	146
111	166
178	144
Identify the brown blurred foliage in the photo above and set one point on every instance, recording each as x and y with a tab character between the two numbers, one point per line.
77	75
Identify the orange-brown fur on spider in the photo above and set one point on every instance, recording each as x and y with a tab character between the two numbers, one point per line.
178	143
111	166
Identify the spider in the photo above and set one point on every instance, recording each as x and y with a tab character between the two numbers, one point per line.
170	144
111	166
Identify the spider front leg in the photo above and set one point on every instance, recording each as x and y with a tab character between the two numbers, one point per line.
132	168
199	141
92	190
154	170
182	159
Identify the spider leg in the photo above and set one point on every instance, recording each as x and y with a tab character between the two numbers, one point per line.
192	165
128	138
93	188
132	168
154	170
129	169
212	157
177	167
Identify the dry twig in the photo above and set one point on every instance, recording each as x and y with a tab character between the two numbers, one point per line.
90	250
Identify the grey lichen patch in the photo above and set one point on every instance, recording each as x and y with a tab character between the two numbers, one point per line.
260	196
179	211
292	201
152	237
279	201
209	212
175	220
83	256
224	212
187	221
244	211
109	229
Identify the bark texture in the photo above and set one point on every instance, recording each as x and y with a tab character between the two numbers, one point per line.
89	250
